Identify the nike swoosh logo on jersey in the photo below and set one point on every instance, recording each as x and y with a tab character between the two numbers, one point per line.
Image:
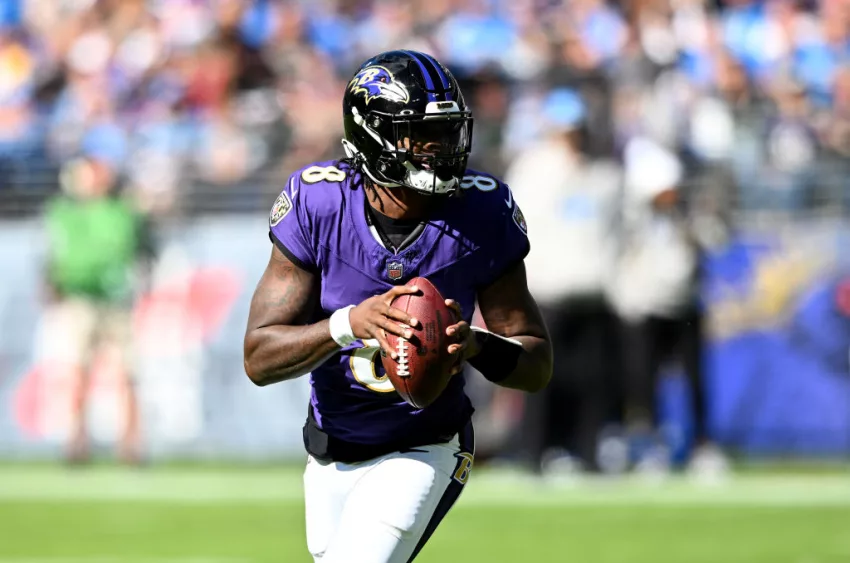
292	189
510	200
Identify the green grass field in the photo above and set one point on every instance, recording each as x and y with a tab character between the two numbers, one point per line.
197	515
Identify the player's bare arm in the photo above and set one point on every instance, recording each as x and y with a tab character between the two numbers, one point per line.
510	312
280	345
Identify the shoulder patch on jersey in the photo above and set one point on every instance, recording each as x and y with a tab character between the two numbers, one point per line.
282	206
519	219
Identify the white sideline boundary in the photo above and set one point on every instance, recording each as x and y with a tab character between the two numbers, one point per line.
488	488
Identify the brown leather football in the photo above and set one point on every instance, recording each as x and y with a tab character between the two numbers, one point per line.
421	371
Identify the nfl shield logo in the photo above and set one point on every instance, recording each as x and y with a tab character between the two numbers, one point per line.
395	270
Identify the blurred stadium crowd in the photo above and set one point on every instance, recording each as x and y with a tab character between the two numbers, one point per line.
632	133
176	94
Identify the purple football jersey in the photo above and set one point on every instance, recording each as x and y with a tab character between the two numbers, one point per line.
320	218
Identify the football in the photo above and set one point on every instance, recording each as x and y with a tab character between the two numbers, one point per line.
421	371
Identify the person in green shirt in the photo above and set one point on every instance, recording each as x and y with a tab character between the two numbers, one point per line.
97	244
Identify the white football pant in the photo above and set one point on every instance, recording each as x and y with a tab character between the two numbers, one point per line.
385	509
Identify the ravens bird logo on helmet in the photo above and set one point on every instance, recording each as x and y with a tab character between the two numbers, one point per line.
377	82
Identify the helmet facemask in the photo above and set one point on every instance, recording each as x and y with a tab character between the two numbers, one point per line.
426	152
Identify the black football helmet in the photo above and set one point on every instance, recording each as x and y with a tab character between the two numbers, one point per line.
406	123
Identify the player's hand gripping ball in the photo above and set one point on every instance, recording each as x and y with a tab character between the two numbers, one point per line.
423	365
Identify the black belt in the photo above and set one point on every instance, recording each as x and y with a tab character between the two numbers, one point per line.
325	447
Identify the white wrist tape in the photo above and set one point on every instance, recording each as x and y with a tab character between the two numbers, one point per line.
340	326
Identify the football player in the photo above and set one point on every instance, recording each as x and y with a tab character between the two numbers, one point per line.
348	234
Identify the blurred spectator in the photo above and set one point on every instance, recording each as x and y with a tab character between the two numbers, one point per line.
95	244
491	100
655	289
836	127
569	202
475	37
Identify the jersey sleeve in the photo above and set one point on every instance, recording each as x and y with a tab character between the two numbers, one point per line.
291	227
509	233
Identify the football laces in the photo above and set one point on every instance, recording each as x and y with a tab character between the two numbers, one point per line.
401	350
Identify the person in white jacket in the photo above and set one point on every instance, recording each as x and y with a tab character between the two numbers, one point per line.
569	202
655	290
